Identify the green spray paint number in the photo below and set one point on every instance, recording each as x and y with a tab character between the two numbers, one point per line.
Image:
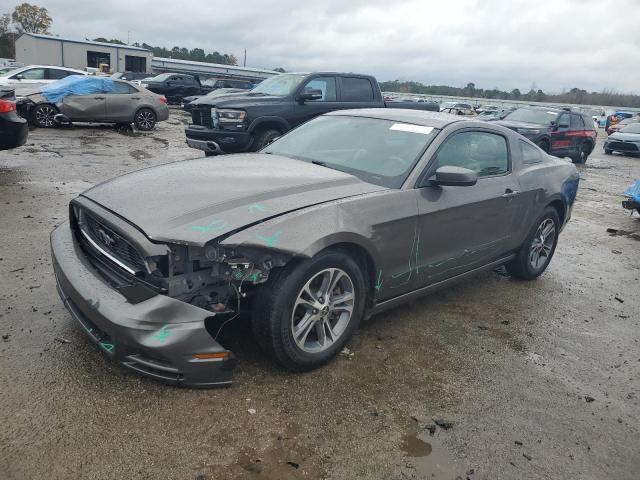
255	276
214	226
162	334
270	240
379	281
109	347
257	208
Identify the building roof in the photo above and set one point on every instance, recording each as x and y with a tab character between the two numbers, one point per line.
193	63
86	42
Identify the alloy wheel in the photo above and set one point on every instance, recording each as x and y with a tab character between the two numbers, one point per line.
322	310
542	244
145	120
45	116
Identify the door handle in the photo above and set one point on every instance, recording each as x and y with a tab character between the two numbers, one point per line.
508	193
98	98
135	98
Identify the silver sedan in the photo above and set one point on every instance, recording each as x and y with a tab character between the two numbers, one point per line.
126	103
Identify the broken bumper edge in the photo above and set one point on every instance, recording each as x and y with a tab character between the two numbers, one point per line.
158	338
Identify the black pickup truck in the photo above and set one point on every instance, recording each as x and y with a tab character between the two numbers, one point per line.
250	121
174	86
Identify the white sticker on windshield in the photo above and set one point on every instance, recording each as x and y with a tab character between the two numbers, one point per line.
552	113
407	127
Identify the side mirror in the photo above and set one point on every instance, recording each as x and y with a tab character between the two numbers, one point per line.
454	177
19	77
311	94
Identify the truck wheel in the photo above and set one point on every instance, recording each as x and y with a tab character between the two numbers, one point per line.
307	313
264	138
544	145
145	119
44	115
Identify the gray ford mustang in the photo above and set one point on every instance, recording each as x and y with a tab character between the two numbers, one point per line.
351	213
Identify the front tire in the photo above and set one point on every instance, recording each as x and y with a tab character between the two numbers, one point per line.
264	138
538	248
608	151
544	145
307	312
145	119
584	149
44	115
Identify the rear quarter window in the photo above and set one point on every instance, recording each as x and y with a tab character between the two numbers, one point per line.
576	122
530	154
356	89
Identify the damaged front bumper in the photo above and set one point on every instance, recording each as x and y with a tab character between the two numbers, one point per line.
161	337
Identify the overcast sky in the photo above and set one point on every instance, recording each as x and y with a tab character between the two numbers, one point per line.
554	44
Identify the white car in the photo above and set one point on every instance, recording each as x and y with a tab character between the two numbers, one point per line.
35	76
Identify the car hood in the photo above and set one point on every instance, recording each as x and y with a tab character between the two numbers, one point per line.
195	201
513	124
634	137
241	100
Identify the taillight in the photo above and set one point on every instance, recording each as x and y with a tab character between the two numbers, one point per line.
163	100
7	106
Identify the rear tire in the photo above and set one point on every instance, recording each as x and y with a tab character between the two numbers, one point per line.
299	320
209	154
538	248
584	149
608	151
264	138
544	145
145	119
44	115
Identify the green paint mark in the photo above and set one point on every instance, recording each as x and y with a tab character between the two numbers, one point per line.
162	334
254	277
271	240
109	347
257	208
379	281
238	274
214	226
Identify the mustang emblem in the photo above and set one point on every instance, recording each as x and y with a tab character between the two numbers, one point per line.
105	238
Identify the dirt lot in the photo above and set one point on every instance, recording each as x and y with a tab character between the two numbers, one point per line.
526	380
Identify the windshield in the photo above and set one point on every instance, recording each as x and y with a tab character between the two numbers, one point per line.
280	85
530	115
632	128
160	78
382	152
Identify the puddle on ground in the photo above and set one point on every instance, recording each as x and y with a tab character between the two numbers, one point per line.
139	154
429	457
615	233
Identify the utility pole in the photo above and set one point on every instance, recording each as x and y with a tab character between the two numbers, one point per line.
128	32
244	64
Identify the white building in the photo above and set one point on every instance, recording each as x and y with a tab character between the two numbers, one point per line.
36	49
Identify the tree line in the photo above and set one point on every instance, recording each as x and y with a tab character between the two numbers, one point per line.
573	96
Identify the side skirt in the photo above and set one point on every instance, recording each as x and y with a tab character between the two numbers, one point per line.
393	302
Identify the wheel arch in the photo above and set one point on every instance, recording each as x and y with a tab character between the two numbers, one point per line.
265	122
560	207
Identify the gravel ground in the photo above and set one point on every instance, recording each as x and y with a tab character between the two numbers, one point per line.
531	380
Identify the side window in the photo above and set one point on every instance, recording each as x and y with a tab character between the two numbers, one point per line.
530	154
563	120
32	74
484	153
123	88
56	74
327	85
576	122
356	89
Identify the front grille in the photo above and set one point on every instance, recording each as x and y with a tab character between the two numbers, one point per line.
201	115
111	242
623	146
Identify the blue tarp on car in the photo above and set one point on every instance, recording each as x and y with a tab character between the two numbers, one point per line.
76	85
633	191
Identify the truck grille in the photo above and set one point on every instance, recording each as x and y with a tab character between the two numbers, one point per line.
104	241
201	115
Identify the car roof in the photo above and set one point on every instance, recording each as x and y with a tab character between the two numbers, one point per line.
417	117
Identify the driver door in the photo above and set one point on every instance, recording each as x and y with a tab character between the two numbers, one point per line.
462	228
308	109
